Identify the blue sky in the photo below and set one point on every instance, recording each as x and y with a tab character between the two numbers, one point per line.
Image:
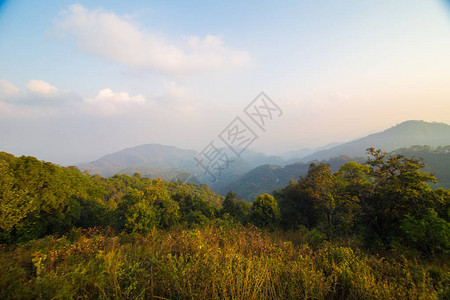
82	79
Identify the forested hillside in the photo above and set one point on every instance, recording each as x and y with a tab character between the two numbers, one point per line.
254	173
155	160
268	178
39	198
437	161
374	230
151	159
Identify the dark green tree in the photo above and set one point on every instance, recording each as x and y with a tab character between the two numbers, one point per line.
430	234
311	200
265	212
237	209
399	188
353	183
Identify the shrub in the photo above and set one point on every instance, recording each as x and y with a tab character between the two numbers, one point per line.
430	234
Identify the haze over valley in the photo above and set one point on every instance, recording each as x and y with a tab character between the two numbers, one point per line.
254	173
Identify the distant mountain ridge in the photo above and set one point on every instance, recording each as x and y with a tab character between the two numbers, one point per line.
268	178
153	156
292	157
253	171
403	135
156	160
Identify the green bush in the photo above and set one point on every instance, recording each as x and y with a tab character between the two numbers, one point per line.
430	234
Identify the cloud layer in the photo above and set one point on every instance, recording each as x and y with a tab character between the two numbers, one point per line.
109	103
41	98
41	88
108	35
7	89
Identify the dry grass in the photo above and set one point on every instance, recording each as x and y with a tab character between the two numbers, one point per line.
208	263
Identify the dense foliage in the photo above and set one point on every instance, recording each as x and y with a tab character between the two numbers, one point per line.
39	198
437	161
267	178
384	202
375	230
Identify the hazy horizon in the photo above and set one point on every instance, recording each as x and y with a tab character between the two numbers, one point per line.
82	79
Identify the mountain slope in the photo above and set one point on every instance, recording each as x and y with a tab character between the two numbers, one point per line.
267	178
154	156
155	160
437	161
406	134
168	162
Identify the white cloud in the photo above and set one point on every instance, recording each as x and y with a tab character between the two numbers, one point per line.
36	103
108	35
109	103
41	88
177	94
42	100
107	95
7	89
178	98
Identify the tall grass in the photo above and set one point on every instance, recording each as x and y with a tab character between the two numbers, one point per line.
212	262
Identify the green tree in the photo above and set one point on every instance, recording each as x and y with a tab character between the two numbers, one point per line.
157	195
320	187
311	200
441	200
294	206
353	183
38	198
399	188
265	212
430	234
193	209
137	213
141	210
237	209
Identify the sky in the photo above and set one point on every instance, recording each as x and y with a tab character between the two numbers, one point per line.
79	80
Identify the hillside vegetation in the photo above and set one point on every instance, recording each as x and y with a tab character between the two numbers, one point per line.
39	198
254	173
437	161
364	231
268	178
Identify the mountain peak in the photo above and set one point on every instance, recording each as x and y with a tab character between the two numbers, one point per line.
147	155
405	134
419	125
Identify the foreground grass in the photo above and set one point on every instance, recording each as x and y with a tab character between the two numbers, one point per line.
209	263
